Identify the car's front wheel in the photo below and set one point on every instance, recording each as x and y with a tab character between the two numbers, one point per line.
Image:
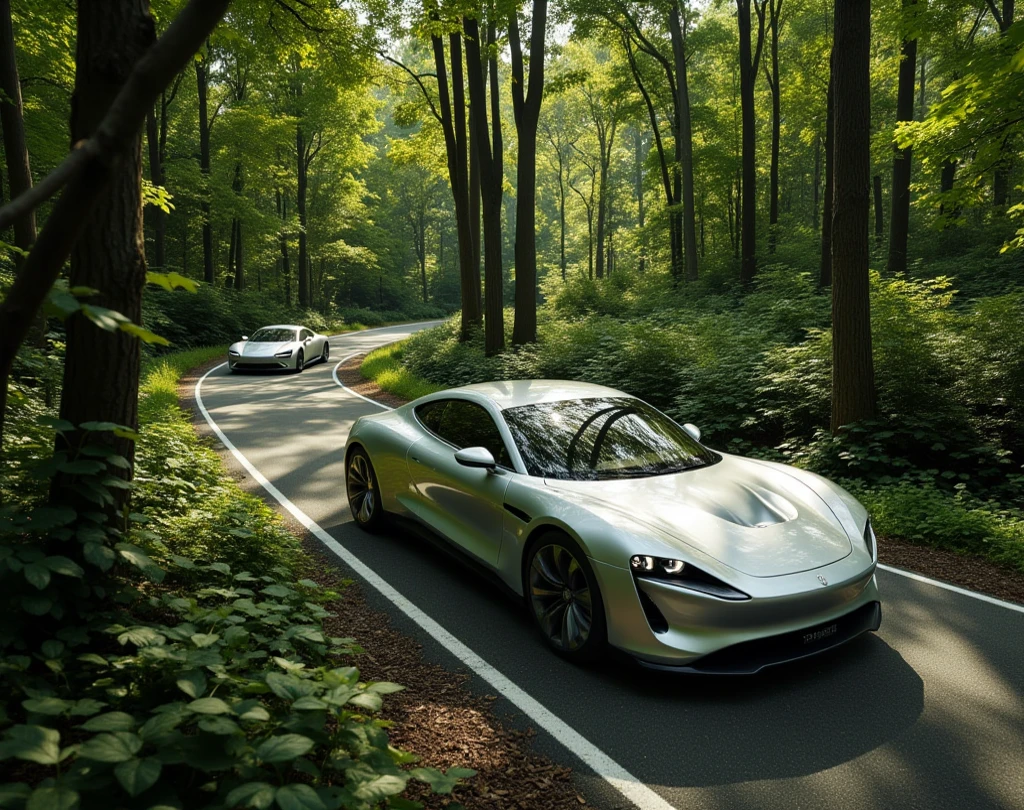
564	598
363	491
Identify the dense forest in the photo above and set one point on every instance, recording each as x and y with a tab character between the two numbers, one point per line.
796	223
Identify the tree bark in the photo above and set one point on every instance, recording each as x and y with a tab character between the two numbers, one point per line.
750	57
879	217
526	106
899	218
774	11
825	270
452	117
853	387
101	368
489	149
204	167
684	135
301	187
1001	178
816	185
638	190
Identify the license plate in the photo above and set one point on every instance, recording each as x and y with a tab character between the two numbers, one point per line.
821	633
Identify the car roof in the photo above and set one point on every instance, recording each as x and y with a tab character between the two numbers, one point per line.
282	326
513	393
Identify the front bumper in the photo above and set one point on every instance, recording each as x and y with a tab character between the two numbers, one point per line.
243	363
666	626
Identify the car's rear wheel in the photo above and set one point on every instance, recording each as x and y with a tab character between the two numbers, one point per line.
326	355
300	361
564	598
363	491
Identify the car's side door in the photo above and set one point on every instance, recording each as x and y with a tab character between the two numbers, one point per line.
464	504
308	349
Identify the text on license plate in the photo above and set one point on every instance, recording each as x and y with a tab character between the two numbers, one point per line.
820	633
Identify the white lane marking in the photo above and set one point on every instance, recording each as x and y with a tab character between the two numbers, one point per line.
908	574
597	760
954	588
334	374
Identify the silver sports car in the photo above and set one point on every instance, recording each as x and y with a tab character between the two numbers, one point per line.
618	527
276	347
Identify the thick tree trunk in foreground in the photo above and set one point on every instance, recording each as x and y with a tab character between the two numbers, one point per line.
1001	180
899	219
526	105
101	369
825	271
774	11
204	168
853	387
879	215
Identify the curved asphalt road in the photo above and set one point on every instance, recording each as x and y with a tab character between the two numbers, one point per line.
926	714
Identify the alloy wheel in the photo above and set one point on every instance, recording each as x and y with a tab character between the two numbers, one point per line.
561	598
362	497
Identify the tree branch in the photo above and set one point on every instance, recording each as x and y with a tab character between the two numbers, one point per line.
417	77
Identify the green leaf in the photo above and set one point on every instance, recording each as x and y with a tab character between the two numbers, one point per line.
106	319
136	556
309	702
259	795
64	566
384	688
81	466
255	714
37	605
117	747
45	518
141	637
56	797
144	334
366	700
33	743
37	575
205	639
284	748
209	705
138	775
99	555
219	725
111	721
380	788
47	705
288	687
192	683
86	707
299	796
441	782
14	794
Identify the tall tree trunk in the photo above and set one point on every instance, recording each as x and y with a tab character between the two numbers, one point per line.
230	280
601	205
286	271
474	196
899	219
526	105
301	187
489	148
156	178
853	386
684	135
423	256
749	59
825	270
452	116
774	10
816	185
1001	180
19	171
101	368
239	256
879	217
638	189
204	167
946	181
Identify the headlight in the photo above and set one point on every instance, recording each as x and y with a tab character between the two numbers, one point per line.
232	352
869	539
284	354
649	565
681	574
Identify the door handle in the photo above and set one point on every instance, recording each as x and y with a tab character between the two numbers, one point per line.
415	458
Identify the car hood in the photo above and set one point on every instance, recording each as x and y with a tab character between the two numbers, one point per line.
759	519
247	348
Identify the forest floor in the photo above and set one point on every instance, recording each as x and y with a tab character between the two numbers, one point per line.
437	717
963	570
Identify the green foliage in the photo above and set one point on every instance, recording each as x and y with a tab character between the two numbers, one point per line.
174	656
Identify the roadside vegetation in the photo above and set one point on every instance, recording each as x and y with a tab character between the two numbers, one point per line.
174	656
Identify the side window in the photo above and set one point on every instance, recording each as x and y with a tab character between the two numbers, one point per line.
306	334
466	424
430	414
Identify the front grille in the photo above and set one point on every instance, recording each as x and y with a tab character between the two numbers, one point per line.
752	656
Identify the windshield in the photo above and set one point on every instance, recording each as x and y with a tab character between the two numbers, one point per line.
615	437
273	336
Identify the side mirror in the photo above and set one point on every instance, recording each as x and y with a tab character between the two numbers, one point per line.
245	337
478	457
693	430
308	340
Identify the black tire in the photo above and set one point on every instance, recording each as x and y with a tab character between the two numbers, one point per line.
562	596
325	355
363	491
300	362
